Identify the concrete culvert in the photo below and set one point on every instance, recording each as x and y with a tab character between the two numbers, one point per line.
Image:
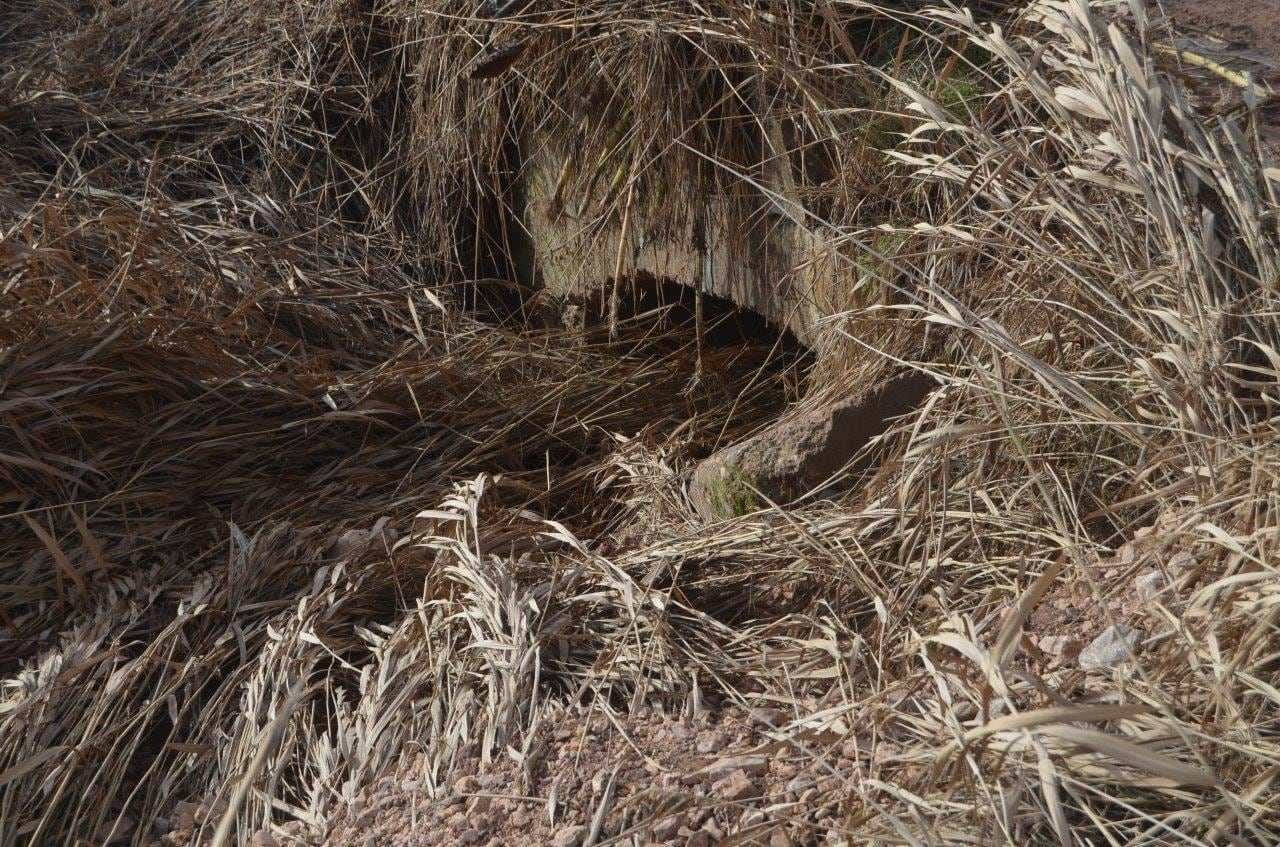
803	450
806	447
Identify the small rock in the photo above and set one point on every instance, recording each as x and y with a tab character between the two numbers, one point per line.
1111	648
699	838
666	828
768	718
472	836
263	838
779	839
1148	585
464	785
479	805
712	742
751	817
1059	648
519	819
736	786
570	836
752	765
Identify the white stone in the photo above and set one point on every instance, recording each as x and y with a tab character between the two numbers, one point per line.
570	836
1111	648
1149	584
751	765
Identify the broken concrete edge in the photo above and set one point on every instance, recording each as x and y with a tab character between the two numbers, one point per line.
766	261
802	452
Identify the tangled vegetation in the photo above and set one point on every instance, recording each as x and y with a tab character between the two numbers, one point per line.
283	510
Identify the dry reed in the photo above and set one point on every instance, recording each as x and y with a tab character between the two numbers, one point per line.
282	514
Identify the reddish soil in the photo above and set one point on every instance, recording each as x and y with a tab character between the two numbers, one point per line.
695	784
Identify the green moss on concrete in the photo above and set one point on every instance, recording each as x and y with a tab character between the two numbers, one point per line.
731	494
883	247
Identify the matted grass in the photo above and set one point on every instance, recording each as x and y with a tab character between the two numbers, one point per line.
281	515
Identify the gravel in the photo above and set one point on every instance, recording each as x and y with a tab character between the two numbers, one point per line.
710	785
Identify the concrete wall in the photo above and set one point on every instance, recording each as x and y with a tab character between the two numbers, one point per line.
762	261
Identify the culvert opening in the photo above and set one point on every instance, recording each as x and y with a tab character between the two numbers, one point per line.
678	375
723	352
663	305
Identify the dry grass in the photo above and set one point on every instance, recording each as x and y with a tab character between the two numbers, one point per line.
282	514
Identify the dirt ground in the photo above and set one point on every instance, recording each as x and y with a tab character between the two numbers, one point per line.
730	776
1240	38
652	778
1251	30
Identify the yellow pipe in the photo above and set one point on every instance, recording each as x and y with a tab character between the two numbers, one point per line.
1234	77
